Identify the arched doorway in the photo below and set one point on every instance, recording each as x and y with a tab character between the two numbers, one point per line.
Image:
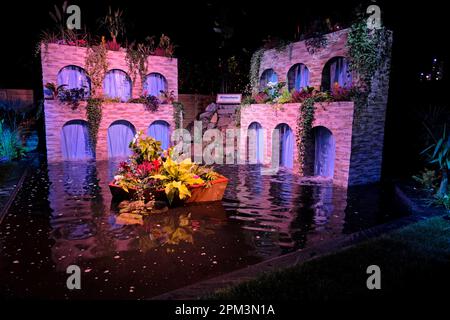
120	134
74	77
255	143
117	85
298	77
268	76
160	130
75	141
336	72
155	84
325	152
286	145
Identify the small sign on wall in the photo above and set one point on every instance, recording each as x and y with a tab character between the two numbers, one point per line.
229	98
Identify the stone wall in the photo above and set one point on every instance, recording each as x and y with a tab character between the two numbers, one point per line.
369	120
297	52
55	57
335	116
57	114
368	129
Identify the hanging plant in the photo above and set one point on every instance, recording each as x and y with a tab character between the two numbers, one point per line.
136	57
304	127
367	50
255	64
308	97
96	66
316	44
151	103
94	117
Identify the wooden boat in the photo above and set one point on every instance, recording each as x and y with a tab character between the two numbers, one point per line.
199	192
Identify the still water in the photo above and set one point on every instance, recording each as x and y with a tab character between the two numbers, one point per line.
64	215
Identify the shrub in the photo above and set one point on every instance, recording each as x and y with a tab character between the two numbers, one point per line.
10	143
261	97
150	102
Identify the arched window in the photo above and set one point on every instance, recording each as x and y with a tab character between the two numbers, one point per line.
75	141
298	77
120	134
74	77
160	130
155	83
286	144
255	146
336	72
117	84
325	151
267	76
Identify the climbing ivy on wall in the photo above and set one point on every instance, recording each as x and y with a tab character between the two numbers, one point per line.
367	50
136	58
96	66
310	97
94	117
255	64
304	126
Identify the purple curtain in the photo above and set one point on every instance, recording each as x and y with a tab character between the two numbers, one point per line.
117	84
154	84
340	73
286	146
325	150
256	142
120	134
267	76
75	141
159	130
74	78
298	77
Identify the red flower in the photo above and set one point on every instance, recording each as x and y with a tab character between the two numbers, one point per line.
147	168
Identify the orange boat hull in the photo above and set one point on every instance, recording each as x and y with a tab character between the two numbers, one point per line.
199	193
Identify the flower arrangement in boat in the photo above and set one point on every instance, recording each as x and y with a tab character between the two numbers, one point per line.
151	171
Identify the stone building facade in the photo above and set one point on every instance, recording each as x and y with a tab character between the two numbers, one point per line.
359	134
55	57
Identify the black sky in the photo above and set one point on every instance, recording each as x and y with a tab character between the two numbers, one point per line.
420	30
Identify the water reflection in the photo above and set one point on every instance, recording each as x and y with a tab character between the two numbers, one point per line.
260	217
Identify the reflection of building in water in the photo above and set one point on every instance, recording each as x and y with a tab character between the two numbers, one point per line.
284	213
267	218
327	208
80	217
84	229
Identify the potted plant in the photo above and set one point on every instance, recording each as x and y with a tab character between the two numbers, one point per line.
165	47
151	173
113	22
167	97
71	97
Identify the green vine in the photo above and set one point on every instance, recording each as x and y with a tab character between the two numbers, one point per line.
316	43
304	126
308	100
94	117
255	64
136	58
367	49
96	66
178	113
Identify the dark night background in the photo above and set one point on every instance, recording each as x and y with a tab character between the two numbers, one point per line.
420	34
